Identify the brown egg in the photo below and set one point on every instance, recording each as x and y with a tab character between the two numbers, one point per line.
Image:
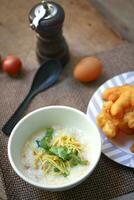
88	69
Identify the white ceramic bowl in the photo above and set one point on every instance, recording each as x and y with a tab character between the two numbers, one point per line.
49	116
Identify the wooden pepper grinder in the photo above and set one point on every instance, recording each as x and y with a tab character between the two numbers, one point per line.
47	18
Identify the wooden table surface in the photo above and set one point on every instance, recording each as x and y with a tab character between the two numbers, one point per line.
85	30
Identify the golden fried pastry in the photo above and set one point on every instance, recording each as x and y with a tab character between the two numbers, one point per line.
105	120
107	126
122	97
113	93
117	114
123	127
121	104
132	148
132	99
129	119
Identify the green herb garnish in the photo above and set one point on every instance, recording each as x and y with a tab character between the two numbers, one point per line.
60	154
45	141
61	151
76	160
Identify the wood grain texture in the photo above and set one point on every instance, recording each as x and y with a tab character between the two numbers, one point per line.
85	30
120	14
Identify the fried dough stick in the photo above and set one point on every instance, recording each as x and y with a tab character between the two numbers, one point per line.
113	93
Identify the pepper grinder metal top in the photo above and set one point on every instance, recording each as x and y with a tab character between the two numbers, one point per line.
47	18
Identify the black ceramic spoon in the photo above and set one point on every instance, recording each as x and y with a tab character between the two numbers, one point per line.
45	77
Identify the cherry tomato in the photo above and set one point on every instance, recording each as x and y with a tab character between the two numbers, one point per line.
12	65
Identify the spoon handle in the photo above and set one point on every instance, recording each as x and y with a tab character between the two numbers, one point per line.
13	120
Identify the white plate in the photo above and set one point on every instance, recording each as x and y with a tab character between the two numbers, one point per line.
117	149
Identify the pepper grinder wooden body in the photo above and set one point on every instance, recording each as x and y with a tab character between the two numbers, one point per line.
51	43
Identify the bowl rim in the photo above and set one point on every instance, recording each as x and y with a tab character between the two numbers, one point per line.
34	183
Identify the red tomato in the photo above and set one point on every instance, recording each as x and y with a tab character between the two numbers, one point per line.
11	65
